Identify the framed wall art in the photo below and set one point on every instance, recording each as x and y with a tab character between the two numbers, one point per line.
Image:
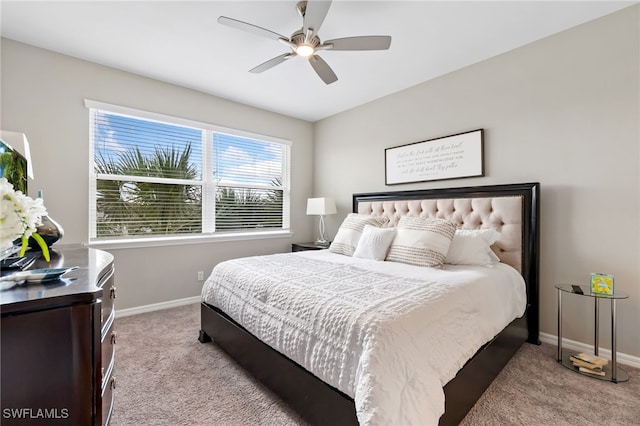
449	157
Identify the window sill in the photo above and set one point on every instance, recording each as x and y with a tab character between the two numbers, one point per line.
183	240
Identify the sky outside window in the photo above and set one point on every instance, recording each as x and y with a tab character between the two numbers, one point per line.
115	134
237	160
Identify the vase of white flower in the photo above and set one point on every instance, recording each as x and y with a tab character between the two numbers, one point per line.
20	216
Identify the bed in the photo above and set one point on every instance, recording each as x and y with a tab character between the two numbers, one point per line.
325	397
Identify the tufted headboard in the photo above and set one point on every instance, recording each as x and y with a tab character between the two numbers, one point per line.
511	209
503	214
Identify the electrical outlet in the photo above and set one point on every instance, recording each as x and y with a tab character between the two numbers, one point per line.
200	275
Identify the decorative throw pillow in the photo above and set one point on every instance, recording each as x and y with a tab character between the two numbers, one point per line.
472	247
348	235
374	242
422	241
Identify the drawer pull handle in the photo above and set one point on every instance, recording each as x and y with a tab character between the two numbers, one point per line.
114	337
102	374
112	293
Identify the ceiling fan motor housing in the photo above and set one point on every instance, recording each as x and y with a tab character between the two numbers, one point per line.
299	37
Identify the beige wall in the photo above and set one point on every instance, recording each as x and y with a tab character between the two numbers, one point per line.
562	111
42	95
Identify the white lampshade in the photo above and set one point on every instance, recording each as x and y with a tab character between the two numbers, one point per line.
321	206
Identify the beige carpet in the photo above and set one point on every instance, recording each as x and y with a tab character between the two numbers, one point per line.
166	377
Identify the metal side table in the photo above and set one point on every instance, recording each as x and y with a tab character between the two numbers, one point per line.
613	373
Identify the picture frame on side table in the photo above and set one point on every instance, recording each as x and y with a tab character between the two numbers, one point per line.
602	284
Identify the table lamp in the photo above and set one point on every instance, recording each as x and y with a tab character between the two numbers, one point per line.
320	207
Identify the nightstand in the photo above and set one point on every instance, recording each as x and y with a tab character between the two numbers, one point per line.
308	246
613	373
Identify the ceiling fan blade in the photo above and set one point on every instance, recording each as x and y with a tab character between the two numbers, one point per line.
254	29
323	69
314	15
359	43
272	63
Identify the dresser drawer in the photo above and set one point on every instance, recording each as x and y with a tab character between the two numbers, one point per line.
108	351
108	299
107	399
108	376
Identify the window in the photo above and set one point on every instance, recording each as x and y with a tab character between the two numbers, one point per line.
156	176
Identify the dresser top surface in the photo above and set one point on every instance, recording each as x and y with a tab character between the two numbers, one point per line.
79	285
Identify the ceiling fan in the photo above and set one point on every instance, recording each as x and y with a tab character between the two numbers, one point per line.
306	43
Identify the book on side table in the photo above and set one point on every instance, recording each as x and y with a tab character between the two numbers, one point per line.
595	371
590	364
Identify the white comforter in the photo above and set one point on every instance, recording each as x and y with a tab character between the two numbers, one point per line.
387	334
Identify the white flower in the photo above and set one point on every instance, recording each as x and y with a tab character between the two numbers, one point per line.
20	215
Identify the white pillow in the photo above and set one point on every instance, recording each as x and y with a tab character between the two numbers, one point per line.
473	247
374	242
348	235
421	241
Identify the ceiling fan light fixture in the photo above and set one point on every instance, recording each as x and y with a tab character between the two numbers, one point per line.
305	50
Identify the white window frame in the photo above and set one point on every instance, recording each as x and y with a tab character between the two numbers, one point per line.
207	182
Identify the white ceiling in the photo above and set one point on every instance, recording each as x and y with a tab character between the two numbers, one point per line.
182	43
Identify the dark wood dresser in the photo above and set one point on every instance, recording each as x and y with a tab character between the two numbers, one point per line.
57	343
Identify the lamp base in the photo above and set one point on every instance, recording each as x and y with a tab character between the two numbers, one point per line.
323	243
322	240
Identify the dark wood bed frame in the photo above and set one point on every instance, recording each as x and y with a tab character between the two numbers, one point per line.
322	404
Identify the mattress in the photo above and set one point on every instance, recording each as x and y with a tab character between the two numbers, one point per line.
387	334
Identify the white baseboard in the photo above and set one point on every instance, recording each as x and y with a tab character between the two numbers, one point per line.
157	306
573	345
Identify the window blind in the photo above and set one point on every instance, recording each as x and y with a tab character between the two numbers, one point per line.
152	177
